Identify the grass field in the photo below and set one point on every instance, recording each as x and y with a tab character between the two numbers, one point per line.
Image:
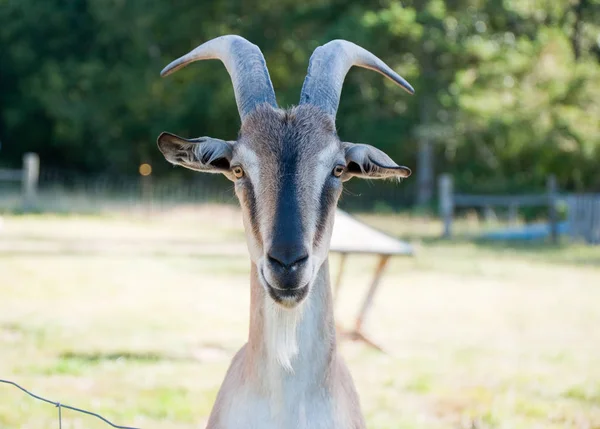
137	319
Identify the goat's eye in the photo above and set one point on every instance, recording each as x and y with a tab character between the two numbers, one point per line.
338	170
238	172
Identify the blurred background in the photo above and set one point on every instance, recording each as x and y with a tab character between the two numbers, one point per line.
124	281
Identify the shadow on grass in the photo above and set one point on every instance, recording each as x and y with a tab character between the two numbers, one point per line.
98	357
542	250
111	254
562	252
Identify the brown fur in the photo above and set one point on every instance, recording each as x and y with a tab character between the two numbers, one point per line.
288	167
289	157
331	374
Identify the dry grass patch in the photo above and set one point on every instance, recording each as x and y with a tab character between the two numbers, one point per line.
138	318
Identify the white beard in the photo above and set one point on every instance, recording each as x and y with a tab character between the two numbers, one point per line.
281	325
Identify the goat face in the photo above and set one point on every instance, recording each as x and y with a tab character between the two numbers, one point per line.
288	167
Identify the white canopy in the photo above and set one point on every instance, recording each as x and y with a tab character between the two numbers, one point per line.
352	236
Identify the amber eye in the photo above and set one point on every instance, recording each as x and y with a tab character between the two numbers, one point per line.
238	172
338	170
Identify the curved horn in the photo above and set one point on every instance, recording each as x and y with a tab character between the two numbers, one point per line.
246	65
328	67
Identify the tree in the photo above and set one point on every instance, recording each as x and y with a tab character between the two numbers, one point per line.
506	91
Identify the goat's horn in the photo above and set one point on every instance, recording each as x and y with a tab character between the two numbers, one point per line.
328	67
246	66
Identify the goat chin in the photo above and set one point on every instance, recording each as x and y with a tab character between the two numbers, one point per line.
281	325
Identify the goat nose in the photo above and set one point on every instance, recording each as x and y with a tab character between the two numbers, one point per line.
287	259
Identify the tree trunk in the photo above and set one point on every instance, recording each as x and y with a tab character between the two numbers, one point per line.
578	28
425	175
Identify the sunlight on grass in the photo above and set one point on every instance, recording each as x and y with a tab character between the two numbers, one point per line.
138	318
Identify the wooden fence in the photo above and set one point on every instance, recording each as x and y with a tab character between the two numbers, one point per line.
584	217
449	201
28	176
583	211
52	190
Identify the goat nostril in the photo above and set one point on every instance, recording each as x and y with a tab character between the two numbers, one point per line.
275	261
287	263
299	261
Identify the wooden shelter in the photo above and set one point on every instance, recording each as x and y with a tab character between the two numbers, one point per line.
351	236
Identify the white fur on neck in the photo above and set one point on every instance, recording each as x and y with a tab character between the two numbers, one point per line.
281	326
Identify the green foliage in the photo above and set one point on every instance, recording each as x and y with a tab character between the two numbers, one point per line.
507	90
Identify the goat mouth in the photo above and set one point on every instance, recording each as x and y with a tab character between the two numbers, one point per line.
286	297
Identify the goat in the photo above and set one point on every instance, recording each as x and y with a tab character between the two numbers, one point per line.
288	167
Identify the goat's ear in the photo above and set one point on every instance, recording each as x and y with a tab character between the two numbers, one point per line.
369	162
201	154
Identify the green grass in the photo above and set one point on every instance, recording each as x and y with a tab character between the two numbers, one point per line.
137	319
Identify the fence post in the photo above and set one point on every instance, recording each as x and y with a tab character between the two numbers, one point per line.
513	214
551	189
446	202
31	174
489	214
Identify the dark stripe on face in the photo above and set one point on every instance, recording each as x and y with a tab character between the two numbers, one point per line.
248	191
288	230
327	202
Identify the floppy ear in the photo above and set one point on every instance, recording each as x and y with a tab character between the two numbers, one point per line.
201	154
368	162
